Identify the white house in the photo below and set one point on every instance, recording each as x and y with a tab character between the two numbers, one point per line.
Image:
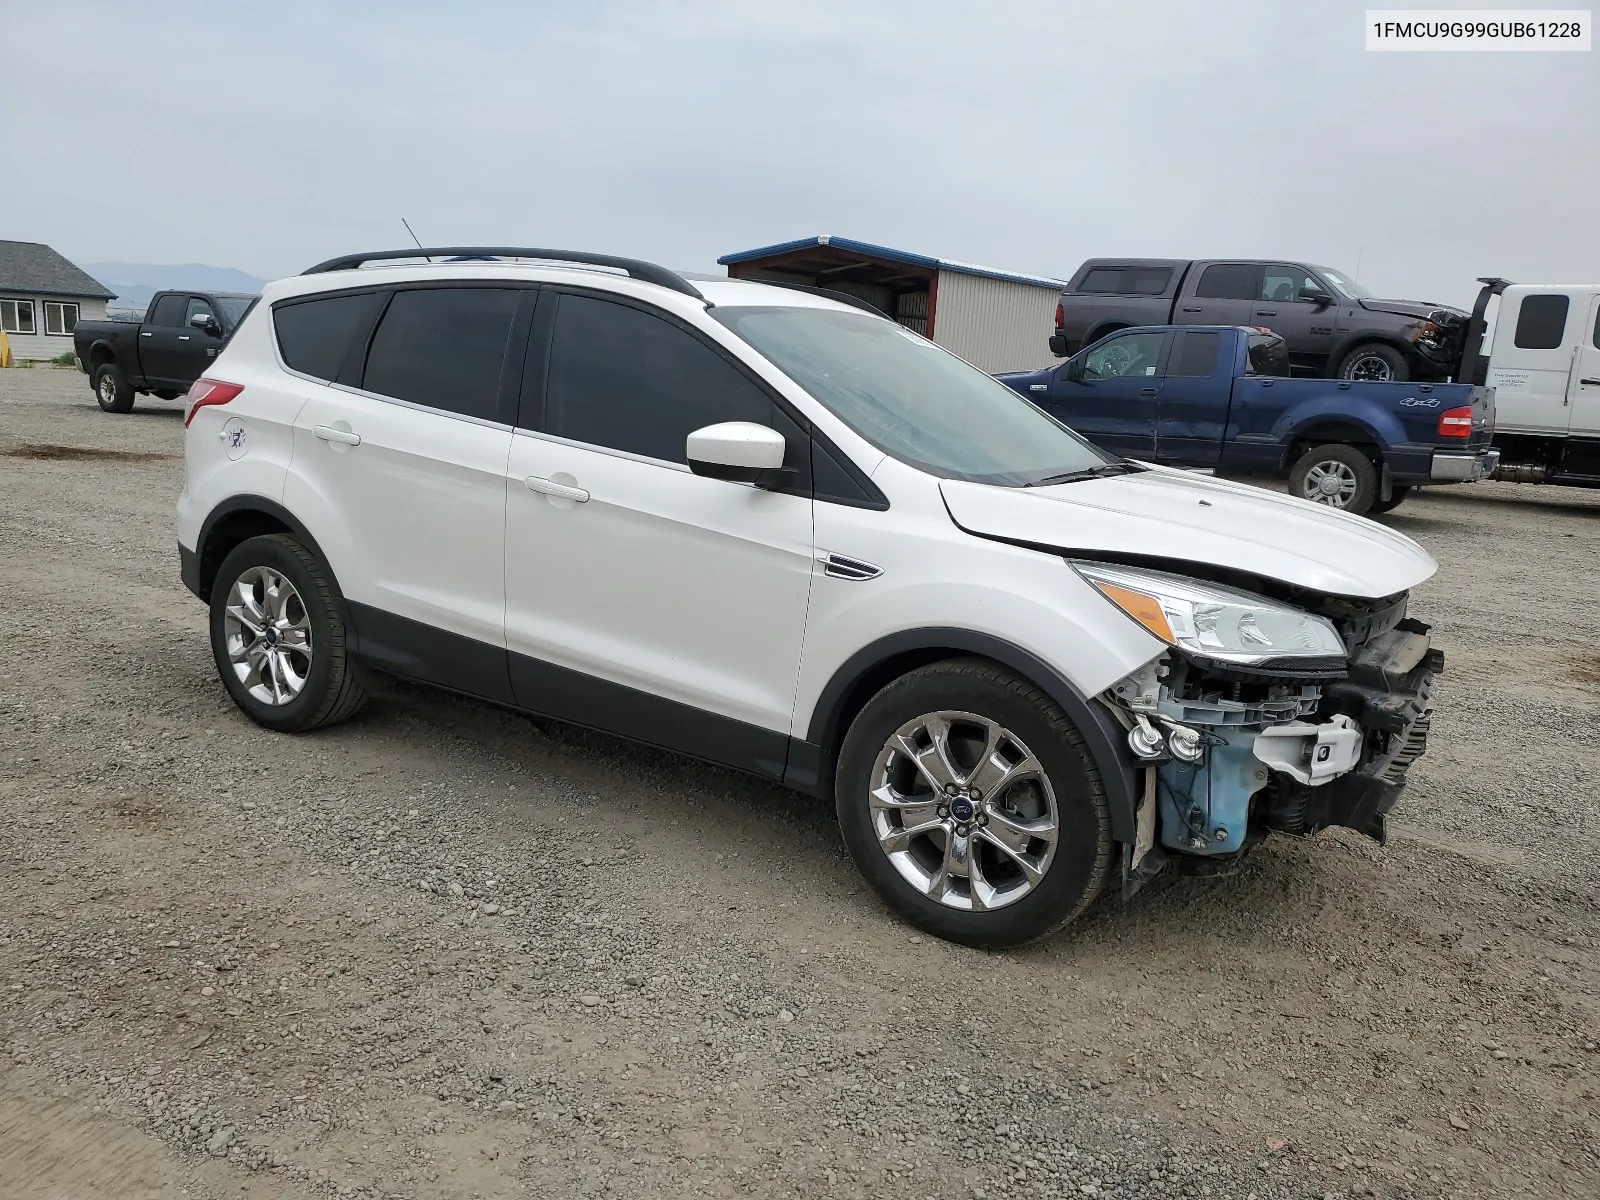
997	320
42	299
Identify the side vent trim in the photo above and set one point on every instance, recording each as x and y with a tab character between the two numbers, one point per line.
838	566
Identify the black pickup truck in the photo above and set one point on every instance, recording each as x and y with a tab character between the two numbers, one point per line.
1335	328
163	354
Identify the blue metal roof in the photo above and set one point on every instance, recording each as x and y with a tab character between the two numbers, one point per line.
850	246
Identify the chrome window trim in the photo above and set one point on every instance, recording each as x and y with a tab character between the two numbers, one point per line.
412	405
606	450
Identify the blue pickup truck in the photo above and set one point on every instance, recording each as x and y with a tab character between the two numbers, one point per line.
1221	396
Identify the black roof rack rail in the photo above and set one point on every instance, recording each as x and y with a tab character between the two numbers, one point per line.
828	294
633	267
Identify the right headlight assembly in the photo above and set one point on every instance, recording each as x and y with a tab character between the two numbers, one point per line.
1212	621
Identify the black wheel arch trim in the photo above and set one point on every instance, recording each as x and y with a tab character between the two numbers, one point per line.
205	566
1098	727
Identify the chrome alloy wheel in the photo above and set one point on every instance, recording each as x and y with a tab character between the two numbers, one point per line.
1330	482
108	388
269	635
964	811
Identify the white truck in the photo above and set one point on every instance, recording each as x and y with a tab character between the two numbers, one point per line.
1544	365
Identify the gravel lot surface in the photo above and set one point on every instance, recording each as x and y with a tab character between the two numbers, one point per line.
448	951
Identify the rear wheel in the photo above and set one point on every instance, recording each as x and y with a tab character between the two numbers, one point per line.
1374	362
1337	475
279	639
969	801
111	389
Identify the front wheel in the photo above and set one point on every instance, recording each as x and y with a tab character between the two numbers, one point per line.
112	389
279	639
971	804
1337	475
1374	363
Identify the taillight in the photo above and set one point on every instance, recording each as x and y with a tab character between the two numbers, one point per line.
205	392
1061	319
1456	422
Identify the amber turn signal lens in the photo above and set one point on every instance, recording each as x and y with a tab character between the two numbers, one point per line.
1140	607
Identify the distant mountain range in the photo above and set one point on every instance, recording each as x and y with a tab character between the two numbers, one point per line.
135	283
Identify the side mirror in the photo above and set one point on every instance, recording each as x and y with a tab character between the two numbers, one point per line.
1073	371
1316	296
206	322
740	452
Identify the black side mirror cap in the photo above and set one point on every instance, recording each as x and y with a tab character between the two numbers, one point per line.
1313	296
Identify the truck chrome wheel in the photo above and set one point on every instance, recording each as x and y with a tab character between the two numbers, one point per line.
108	388
1330	482
268	636
964	811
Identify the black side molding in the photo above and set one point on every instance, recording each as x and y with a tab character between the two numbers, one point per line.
811	761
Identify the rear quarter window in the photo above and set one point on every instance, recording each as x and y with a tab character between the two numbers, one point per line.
1126	281
1541	322
314	335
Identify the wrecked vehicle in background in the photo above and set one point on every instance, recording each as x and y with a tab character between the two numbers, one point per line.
1335	328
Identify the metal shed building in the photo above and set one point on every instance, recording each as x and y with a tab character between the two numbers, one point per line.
997	320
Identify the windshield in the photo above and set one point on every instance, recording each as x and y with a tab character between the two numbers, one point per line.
1345	284
913	400
235	307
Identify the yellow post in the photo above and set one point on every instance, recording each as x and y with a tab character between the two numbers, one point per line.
5	351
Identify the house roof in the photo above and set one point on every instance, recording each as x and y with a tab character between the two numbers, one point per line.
851	246
35	269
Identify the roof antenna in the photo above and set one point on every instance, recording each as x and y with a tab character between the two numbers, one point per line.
414	237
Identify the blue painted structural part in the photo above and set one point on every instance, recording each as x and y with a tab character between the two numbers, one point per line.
1205	807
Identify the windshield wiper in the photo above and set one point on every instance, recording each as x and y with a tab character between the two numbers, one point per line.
1103	471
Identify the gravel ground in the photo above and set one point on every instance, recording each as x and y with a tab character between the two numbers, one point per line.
448	951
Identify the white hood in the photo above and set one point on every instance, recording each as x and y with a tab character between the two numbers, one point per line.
1180	516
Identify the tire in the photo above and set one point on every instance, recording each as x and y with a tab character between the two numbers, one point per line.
1374	362
1317	470
1397	493
111	389
315	686
1031	727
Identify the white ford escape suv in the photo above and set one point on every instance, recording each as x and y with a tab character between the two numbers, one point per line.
761	526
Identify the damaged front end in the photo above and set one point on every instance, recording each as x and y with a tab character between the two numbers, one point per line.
1264	716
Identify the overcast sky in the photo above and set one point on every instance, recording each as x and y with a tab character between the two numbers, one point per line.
1023	135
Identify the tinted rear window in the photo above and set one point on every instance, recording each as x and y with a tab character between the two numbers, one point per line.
1230	281
1269	355
313	335
1127	281
1541	322
443	347
168	310
1199	354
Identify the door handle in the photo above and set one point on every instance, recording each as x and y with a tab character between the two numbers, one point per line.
144	335
1266	312
183	337
343	436
1148	391
1590	382
547	487
1192	308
